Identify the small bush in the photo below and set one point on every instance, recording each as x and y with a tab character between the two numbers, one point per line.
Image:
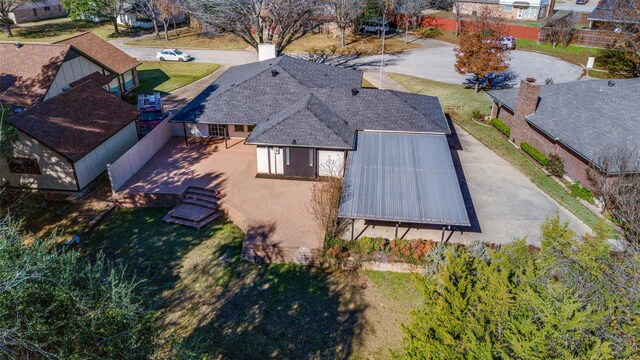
555	165
581	192
476	115
536	154
339	252
368	245
411	250
502	127
428	33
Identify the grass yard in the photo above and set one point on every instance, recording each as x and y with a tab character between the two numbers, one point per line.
163	77
459	102
313	43
211	304
58	30
188	39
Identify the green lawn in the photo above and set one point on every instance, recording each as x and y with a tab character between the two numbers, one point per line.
58	30
574	54
167	76
212	304
458	102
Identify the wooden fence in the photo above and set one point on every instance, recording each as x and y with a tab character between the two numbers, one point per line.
583	37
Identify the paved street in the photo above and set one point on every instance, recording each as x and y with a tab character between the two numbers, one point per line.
434	62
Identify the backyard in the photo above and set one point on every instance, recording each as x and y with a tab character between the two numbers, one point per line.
211	304
459	102
163	77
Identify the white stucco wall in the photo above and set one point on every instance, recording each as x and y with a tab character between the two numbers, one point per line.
275	161
95	162
56	172
262	160
330	163
195	130
70	71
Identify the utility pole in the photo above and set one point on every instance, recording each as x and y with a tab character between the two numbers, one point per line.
384	28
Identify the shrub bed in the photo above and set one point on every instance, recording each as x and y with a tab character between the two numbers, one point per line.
555	165
581	192
502	127
536	154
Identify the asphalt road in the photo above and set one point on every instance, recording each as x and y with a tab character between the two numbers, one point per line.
434	62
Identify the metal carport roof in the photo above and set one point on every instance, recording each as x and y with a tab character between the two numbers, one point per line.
402	178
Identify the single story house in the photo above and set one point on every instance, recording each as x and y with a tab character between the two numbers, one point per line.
309	120
66	141
581	121
508	9
31	73
29	11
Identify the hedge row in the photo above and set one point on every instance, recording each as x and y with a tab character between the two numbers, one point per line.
536	154
502	127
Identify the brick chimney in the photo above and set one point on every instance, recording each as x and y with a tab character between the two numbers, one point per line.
527	100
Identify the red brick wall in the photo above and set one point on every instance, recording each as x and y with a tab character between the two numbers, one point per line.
575	167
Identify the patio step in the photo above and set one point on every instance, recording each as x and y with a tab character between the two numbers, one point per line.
204	203
191	215
192	190
202	197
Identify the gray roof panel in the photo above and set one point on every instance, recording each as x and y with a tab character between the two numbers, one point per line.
408	178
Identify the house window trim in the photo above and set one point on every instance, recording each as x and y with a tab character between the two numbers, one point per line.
47	8
507	7
238	128
29	166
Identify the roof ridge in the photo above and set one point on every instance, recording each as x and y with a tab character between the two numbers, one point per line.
73	37
328	109
277	118
395	93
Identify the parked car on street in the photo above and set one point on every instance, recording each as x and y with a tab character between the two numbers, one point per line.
173	55
508	42
581	2
376	27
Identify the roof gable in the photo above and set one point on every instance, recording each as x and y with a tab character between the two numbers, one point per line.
77	121
102	51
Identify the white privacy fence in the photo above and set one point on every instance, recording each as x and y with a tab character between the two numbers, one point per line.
134	159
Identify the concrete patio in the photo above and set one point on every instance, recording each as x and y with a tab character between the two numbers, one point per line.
273	213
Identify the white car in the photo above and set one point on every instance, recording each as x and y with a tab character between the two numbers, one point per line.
172	55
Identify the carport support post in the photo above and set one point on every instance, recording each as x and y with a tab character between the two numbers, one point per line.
184	130
442	236
397	225
352	228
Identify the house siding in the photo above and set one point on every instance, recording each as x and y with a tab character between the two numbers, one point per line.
95	163
56	172
469	8
19	16
73	69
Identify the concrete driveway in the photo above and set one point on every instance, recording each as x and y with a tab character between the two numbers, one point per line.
503	204
435	61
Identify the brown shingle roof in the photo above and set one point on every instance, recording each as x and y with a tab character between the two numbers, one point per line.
96	77
27	71
101	51
77	121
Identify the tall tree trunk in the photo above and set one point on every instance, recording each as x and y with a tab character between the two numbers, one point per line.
166	29
9	32
115	25
342	35
175	27
156	32
477	85
457	23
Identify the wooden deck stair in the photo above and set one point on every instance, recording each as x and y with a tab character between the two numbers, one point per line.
199	207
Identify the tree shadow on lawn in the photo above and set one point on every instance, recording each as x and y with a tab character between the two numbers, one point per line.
211	303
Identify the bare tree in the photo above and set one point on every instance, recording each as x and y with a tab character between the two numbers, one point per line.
325	200
344	13
149	9
560	30
280	22
5	8
168	10
411	9
616	180
625	16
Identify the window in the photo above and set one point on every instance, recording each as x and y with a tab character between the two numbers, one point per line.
507	7
35	12
24	166
238	128
250	128
47	8
530	12
286	156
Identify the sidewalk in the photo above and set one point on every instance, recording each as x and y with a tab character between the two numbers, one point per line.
387	83
180	97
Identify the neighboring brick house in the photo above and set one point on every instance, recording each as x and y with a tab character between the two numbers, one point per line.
580	121
36	11
508	9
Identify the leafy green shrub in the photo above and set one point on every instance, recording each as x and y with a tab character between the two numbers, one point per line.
581	192
616	62
476	115
536	154
331	242
555	165
502	127
367	245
